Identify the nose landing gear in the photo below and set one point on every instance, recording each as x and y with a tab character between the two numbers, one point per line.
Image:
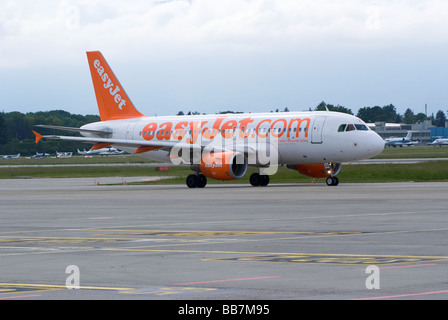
332	181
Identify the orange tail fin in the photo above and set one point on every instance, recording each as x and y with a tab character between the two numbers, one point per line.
113	102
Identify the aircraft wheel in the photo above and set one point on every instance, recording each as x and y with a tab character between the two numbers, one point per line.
192	181
332	181
263	180
259	180
337	181
202	181
255	179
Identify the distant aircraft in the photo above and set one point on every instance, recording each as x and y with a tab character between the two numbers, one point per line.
439	142
102	152
400	142
8	157
40	155
222	147
63	155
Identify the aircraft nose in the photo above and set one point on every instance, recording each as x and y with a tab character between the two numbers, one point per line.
376	144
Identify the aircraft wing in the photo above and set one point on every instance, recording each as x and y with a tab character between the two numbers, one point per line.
100	139
118	142
141	145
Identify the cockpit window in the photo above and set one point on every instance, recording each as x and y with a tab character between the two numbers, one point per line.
361	127
350	127
342	128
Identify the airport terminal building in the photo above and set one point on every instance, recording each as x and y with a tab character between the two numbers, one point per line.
423	131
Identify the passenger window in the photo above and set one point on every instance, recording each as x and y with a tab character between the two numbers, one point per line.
342	128
350	127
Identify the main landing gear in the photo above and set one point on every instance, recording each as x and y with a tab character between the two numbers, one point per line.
196	181
257	179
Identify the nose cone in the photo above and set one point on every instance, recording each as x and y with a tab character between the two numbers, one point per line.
375	145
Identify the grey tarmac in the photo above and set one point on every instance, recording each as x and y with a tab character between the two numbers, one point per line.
223	242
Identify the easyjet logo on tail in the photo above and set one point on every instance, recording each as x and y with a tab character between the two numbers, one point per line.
109	85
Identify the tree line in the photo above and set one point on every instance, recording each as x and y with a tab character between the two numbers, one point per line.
388	114
16	131
367	114
16	128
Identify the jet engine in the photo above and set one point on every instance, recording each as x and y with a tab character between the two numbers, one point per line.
228	165
317	170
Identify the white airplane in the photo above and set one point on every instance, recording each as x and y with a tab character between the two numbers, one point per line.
400	142
8	157
63	155
40	155
223	146
439	142
102	152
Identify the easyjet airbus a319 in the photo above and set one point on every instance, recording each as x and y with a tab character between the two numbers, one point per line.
223	146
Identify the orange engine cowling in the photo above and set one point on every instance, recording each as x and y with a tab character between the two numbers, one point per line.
224	165
312	170
317	170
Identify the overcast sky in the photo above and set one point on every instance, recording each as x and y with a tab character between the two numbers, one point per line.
213	55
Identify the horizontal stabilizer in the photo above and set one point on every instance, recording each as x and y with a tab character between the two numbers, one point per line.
38	136
71	129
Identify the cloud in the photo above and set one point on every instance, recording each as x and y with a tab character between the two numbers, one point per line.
250	52
159	27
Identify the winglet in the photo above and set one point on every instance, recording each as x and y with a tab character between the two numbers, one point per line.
113	102
38	136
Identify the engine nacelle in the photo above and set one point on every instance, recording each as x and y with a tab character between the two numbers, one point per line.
224	165
317	170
